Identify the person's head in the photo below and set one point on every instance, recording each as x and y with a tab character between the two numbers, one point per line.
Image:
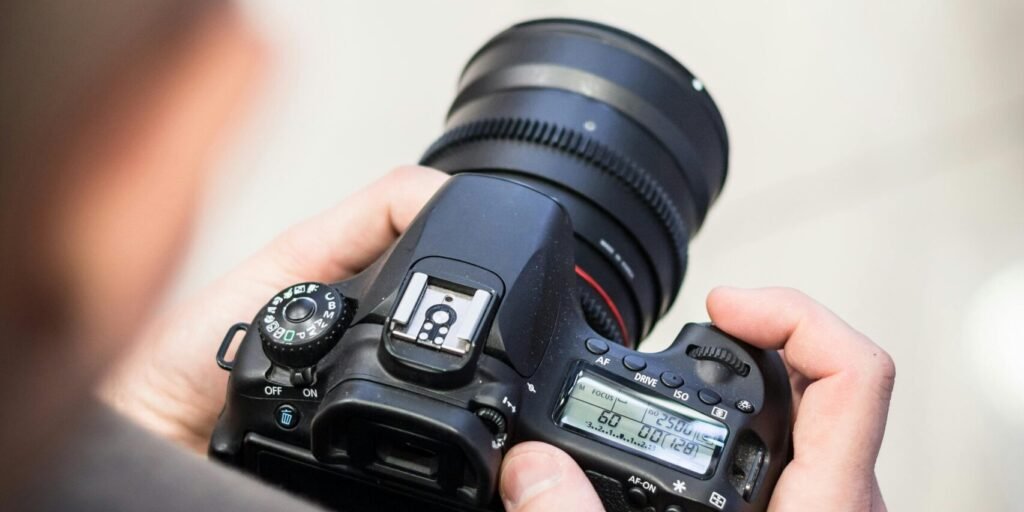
109	111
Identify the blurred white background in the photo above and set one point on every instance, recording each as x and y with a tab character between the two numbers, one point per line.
877	164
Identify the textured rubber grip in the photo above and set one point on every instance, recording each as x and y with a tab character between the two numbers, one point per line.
613	497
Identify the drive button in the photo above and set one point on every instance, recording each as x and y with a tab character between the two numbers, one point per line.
635	363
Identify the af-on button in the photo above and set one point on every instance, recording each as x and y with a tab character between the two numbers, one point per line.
636	497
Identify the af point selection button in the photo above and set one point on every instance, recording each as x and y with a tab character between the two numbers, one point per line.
597	346
286	416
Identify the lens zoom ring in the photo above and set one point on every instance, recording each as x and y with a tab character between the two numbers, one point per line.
581	146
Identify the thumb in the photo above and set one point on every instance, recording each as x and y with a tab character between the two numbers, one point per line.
537	477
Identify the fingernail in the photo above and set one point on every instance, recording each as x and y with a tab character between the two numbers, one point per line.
527	475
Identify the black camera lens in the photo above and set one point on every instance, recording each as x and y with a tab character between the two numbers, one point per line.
624	137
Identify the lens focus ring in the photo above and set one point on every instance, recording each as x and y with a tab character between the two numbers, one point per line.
577	144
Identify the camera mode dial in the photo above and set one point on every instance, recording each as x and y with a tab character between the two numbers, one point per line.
302	323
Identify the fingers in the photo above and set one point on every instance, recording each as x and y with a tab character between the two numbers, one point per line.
843	410
777	317
170	383
343	240
537	477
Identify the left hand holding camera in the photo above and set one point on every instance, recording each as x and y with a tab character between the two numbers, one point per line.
171	385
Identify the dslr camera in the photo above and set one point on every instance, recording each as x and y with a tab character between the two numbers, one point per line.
583	161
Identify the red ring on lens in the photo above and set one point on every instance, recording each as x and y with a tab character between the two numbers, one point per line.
626	340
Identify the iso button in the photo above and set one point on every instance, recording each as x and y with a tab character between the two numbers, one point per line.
671	379
286	416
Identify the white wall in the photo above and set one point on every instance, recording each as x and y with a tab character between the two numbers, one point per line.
877	163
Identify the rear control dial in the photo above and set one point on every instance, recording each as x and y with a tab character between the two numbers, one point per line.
302	323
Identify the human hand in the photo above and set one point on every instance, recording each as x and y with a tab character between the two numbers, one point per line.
170	383
841	381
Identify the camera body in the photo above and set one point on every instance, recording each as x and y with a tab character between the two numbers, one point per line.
403	386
